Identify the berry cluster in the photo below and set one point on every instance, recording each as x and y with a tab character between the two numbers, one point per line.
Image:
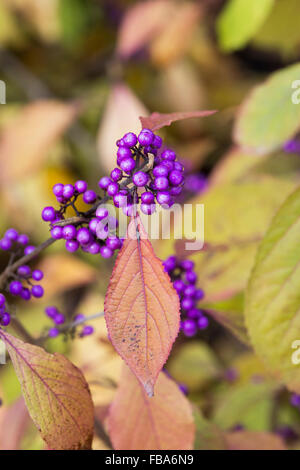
4	315
162	180
95	236
184	281
13	241
20	282
59	320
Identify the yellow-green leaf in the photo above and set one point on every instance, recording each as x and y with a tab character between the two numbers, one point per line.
273	296
240	20
268	117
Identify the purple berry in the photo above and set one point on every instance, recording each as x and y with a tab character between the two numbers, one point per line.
87	330
106	252
48	214
89	196
157	141
104	182
94	248
163	197
128	210
59	319
194	313
11	234
5	244
148	209
68	191
161	183
189	291
187	264
116	175
147	197
178	166
101	212
120	143
72	245
127	164
24	271
102	231
81	186
202	323
23	239
83	236
58	189
175	191
15	288
295	400
93	225
37	275
175	177
79	317
29	249
123	152
189	327
187	303
5	319
120	199
168	164
140	179
178	285
25	294
199	294
113	243
69	232
130	139
146	137
170	263
51	311
56	233
37	291
168	155
191	277
112	189
2	300
160	170
53	332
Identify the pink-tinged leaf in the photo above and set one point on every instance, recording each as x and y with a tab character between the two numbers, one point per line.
120	116
163	422
251	440
56	395
157	120
141	24
14	420
141	307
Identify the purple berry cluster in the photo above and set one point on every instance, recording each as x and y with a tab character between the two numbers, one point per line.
92	236
184	280
160	182
20	283
59	320
4	315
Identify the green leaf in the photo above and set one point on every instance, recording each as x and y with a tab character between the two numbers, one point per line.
194	364
268	117
208	435
240	20
56	395
273	296
248	404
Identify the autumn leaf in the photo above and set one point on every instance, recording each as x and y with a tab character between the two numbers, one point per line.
157	120
56	395
164	422
141	24
141	307
25	141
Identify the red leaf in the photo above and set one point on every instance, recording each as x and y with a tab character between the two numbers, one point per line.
56	395
156	120
137	422
141	307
